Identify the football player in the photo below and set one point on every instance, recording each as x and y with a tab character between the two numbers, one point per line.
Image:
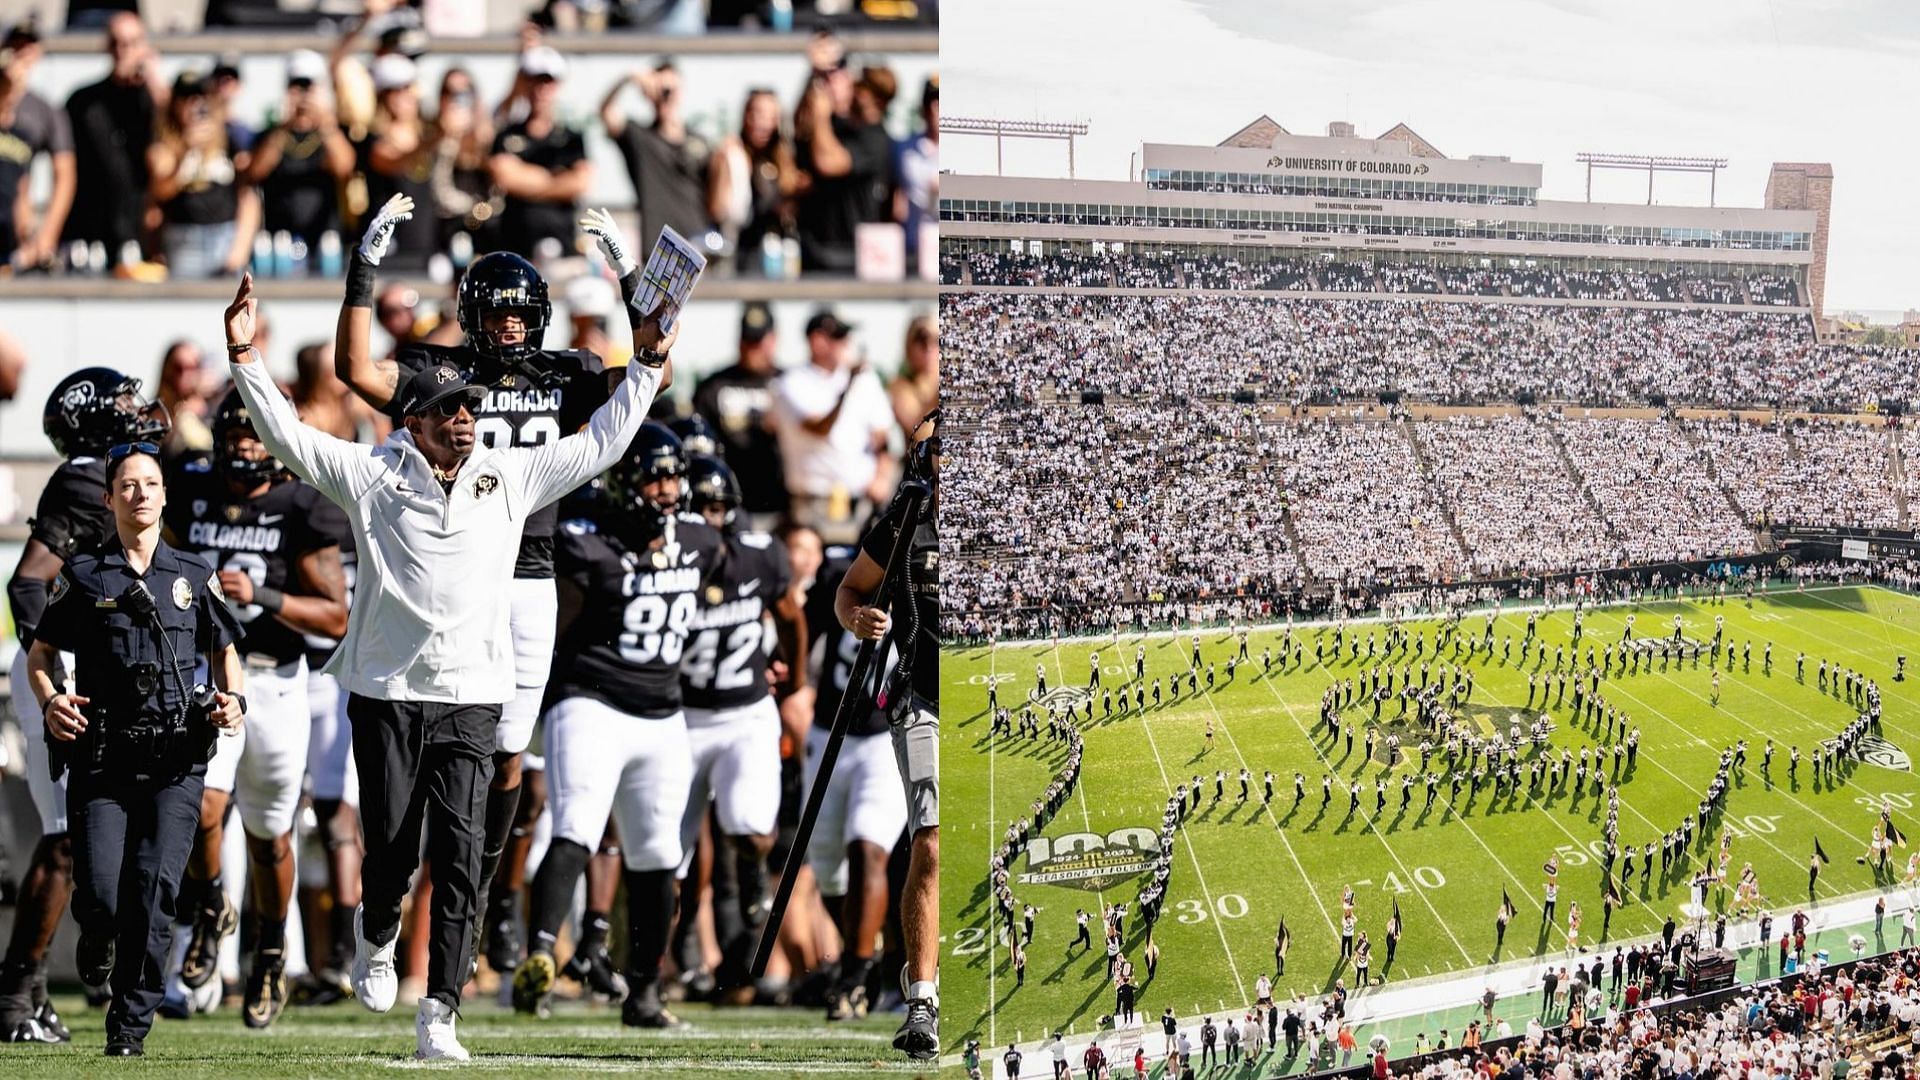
334	786
274	543
865	809
732	722
616	739
88	412
535	395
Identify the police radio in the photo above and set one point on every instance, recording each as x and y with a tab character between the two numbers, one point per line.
199	703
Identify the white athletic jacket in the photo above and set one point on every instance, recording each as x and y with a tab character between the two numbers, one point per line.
430	608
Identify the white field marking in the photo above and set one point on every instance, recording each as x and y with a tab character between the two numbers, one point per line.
1080	786
681	1066
1166	783
1654	759
993	973
1477	611
1758	731
1368	820
1275	821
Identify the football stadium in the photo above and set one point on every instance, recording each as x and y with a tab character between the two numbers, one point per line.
1389	613
519	380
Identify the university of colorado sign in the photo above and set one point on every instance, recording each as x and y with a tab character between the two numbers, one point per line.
1088	860
1350	165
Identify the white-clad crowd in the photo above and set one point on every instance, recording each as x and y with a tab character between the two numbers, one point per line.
1804	473
1518	508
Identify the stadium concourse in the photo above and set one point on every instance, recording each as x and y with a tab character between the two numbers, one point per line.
164	157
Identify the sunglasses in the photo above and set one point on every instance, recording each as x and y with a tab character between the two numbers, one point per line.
125	450
451	407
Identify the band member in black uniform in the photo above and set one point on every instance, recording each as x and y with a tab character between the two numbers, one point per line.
733	723
273	540
135	733
88	412
616	739
535	396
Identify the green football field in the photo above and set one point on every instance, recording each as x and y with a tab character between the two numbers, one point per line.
1240	868
346	1041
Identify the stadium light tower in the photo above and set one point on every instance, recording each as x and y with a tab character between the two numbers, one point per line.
1017	129
1654	163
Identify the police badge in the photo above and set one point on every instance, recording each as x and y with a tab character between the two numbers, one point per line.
183	593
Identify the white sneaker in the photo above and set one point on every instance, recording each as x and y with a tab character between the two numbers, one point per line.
433	1032
375	982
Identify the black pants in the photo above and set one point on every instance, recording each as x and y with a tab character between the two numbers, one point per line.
424	765
131	839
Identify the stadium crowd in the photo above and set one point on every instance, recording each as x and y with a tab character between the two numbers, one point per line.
155	177
1311	350
982	266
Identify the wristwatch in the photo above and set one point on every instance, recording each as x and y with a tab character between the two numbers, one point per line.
242	699
650	359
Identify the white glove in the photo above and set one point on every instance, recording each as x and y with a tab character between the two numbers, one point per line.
379	239
599	224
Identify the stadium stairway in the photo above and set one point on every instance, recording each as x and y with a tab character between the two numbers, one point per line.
1426	470
1580	481
1706	462
1899	463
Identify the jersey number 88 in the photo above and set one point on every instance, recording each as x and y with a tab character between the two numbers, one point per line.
656	630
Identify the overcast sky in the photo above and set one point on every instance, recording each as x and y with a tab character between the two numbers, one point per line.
1537	80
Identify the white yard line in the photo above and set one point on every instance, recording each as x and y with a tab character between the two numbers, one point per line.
1166	782
1368	819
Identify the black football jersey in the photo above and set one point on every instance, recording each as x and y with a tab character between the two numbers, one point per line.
625	645
519	413
332	521
836	649
725	665
918	598
264	538
70	518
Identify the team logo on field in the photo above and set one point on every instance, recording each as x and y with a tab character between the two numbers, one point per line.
1655	644
1875	750
1090	861
1062	697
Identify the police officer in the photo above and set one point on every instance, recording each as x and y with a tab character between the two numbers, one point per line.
913	700
135	732
88	412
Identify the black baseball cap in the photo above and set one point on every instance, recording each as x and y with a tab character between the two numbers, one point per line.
431	386
756	322
825	321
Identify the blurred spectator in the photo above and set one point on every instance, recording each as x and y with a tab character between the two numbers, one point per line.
916	389
846	155
13	362
460	136
751	181
736	401
112	128
916	201
832	419
182	388
667	164
591	302
223	89
683	17
396	310
540	163
208	219
29	127
300	162
325	402
398	158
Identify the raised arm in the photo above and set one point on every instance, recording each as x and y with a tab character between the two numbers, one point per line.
599	225
374	380
555	468
340	469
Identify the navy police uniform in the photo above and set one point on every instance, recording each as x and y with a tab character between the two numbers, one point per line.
133	796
